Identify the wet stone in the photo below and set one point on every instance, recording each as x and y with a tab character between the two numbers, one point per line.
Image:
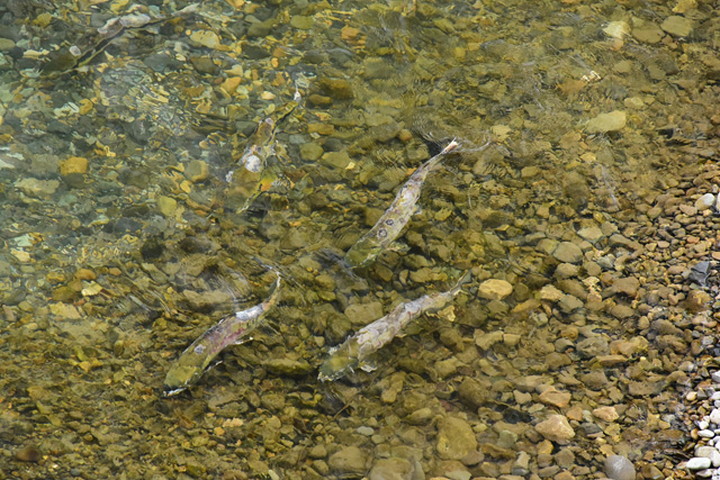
196	171
494	289
647	32
607	414
392	468
73	165
618	467
455	438
289	367
37	188
607	122
552	396
337	88
556	428
568	252
677	26
311	152
705	201
28	453
364	313
167	205
348	460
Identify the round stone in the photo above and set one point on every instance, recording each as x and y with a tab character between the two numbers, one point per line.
618	467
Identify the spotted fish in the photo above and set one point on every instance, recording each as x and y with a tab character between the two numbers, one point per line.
388	228
356	349
230	330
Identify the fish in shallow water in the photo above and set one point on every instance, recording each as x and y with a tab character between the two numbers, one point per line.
356	349
252	175
231	330
388	228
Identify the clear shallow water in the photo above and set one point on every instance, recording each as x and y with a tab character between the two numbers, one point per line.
112	266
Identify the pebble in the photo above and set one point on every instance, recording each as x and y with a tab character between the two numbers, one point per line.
553	396
392	468
166	205
37	188
714	416
348	460
455	438
205	38
607	414
196	171
698	463
73	165
677	26
568	252
704	202
28	453
494	289
618	467
607	122
556	428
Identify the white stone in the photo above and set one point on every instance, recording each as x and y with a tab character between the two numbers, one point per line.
704	451
706	433
698	463
705	202
715	376
715	458
714	416
703	424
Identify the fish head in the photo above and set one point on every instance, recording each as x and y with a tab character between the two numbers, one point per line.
179	378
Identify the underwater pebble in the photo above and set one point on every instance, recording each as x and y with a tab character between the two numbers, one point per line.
37	188
73	165
618	467
166	205
568	252
556	428
348	460
495	289
455	438
607	122
677	26
28	453
392	468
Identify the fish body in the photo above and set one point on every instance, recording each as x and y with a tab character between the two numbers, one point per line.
252	177
230	330
388	228
372	337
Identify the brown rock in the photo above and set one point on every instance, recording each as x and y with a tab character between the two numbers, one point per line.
552	396
607	414
556	428
28	453
494	289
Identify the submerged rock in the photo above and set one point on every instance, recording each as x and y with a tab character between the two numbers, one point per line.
556	428
348	460
607	122
455	439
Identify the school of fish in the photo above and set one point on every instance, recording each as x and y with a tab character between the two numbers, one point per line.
246	182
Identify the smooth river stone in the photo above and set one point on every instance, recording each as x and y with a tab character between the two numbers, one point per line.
618	467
